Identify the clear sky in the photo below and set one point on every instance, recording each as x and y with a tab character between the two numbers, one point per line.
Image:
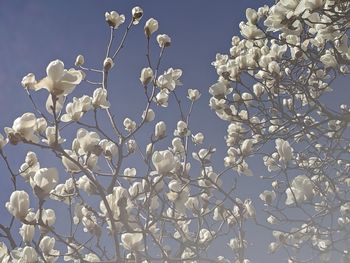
32	33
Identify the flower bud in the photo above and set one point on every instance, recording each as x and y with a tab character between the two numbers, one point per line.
160	130
193	94
99	99
149	116
163	40
108	64
19	204
137	13
146	75
79	61
151	26
113	19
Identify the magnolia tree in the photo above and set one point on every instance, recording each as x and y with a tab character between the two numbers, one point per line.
177	206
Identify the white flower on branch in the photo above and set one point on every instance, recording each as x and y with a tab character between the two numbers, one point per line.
170	79
146	76
79	61
149	116
44	181
132	241
163	161
19	204
163	40
23	128
160	130
27	233
151	26
193	94
99	99
26	254
88	141
113	19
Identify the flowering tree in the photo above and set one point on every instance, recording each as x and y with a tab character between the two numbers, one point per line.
176	206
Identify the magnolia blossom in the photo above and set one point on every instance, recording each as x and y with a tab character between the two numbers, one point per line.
129	125
19	204
29	81
268	196
163	161
131	146
301	190
149	116
114	19
132	241
146	75
27	233
110	149
87	140
51	136
137	13
162	98
198	138
59	81
85	184
159	130
99	99
91	257
151	26
130	173
44	181
170	79
284	150
163	40
76	109
181	129
108	63
23	128
26	254
193	94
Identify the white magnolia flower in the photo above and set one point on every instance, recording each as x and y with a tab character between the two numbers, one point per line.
41	125
27	233
26	254
151	26
149	116
130	173
46	246
170	79
162	98
19	204
163	40
79	61
163	161
51	137
146	75
87	140
284	150
129	125
29	81
70	166
132	241
193	94
91	257
44	181
59	81
110	149
86	185
198	138
59	101
181	129
114	19
218	89
131	146
99	99
329	60
160	130
137	13
48	216
23	128
76	109
4	257
301	190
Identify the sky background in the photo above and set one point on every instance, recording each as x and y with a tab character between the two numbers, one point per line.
33	33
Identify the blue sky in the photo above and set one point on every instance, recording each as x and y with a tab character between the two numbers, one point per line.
35	32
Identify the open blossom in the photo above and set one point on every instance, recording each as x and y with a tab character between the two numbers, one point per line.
181	129
132	241
163	40
151	26
170	79
59	81
114	19
137	13
146	75
87	140
129	125
301	190
86	185
76	109
162	98
163	161
44	181
110	149
23	128
193	94
99	99
19	204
